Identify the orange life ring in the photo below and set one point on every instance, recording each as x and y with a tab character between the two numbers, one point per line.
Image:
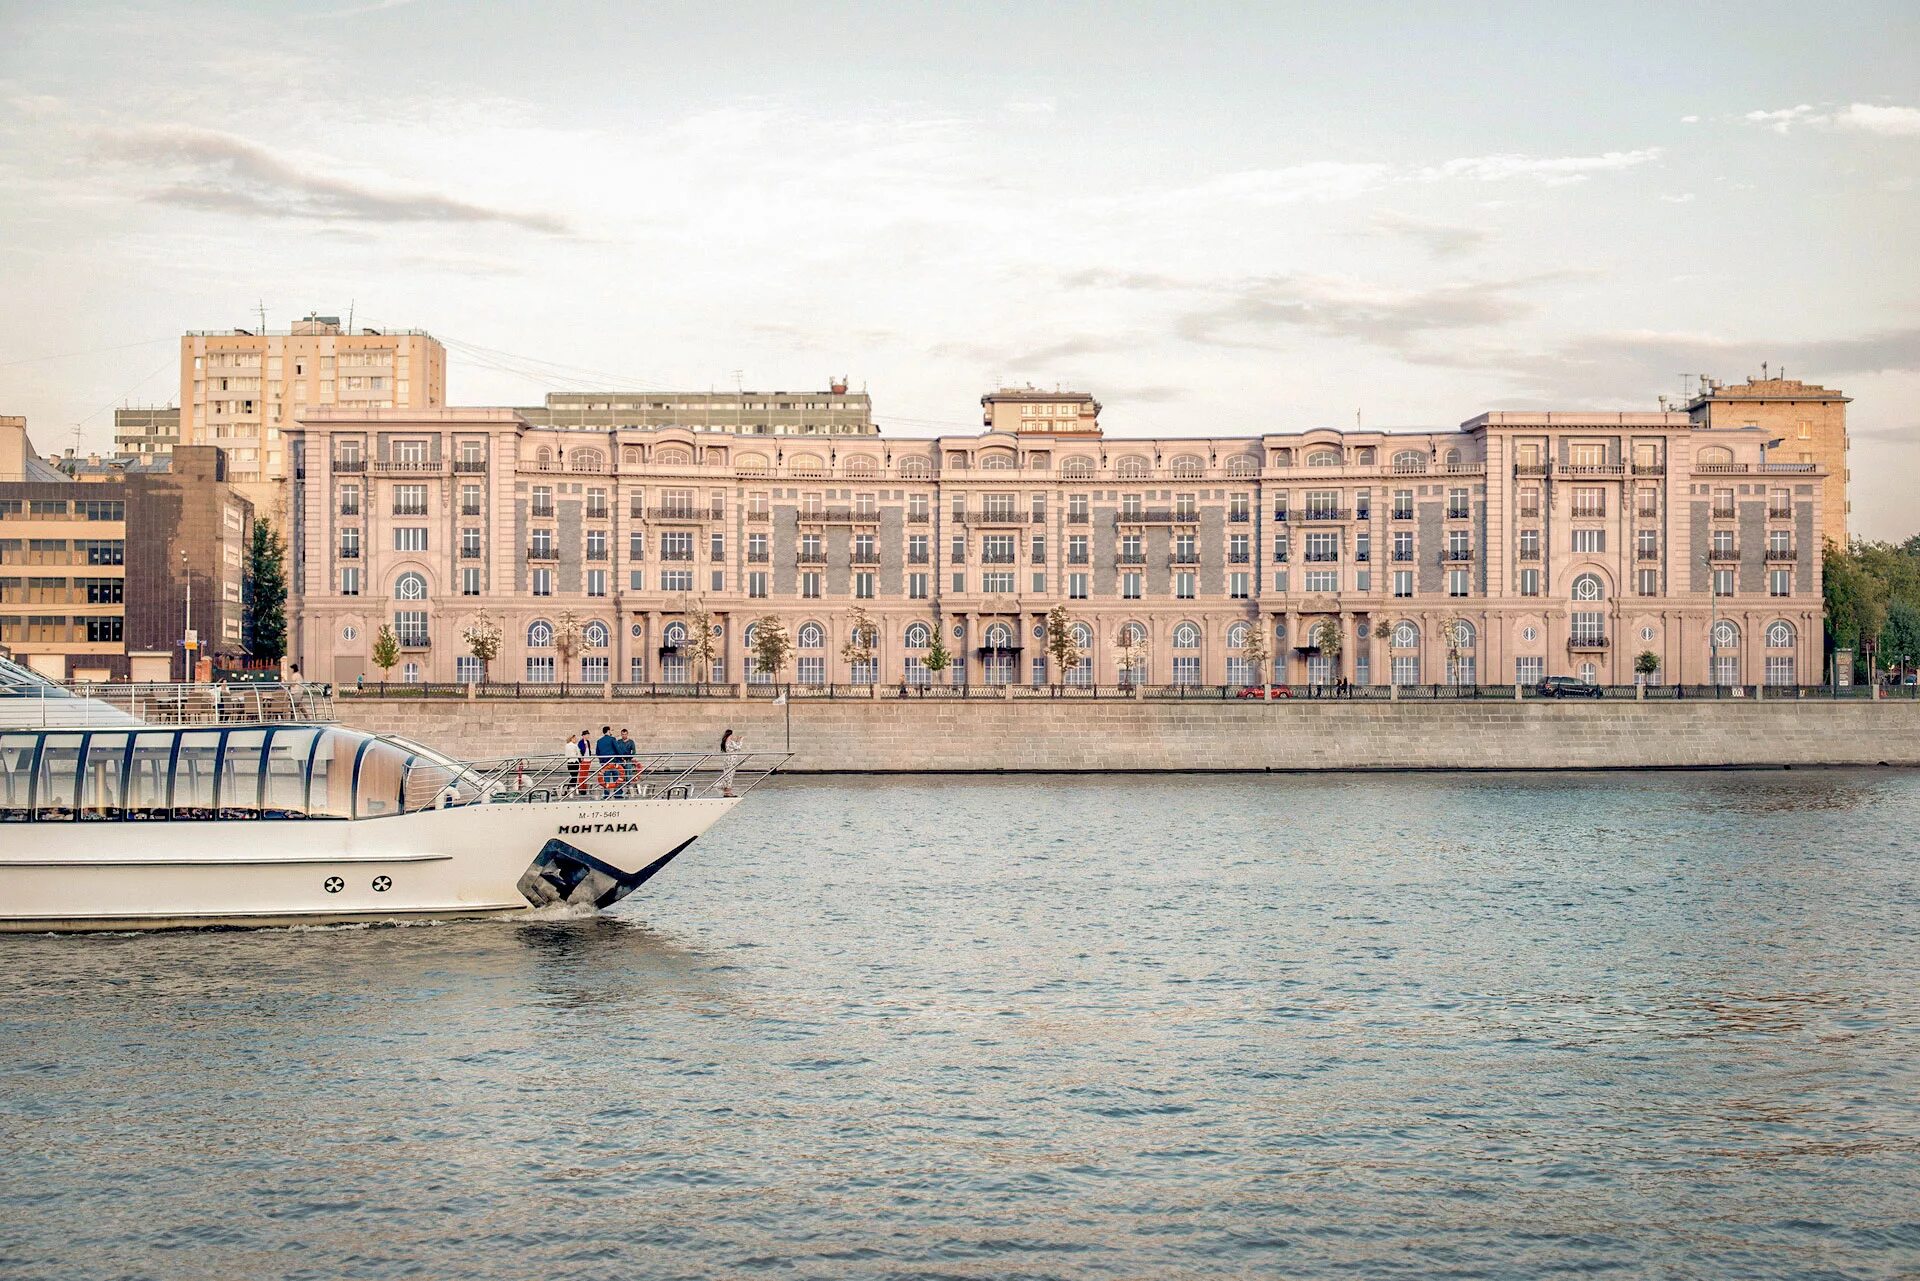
616	771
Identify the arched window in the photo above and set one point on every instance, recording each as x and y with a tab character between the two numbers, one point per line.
752	464
999	636
587	460
1187	467
539	634
805	465
918	636
860	465
1589	587
1715	456
543	457
915	468
751	635
1077	468
1237	636
1726	635
1282	458
631	457
1186	636
1132	467
1409	460
1462	636
1133	634
1242	465
674	636
1780	634
1406	634
1365	456
410	586
596	634
1323	458
1451	458
1040	460
672	456
1082	637
812	636
997	460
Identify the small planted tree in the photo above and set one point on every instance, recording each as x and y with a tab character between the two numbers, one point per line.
1646	665
938	658
863	639
1061	645
1327	639
386	650
700	650
266	592
772	646
482	636
1131	652
1257	652
566	642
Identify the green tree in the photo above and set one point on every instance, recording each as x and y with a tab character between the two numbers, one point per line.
1326	636
1855	606
1256	651
483	637
566	642
772	646
863	637
938	659
1900	637
386	650
1061	646
266	592
699	648
1646	665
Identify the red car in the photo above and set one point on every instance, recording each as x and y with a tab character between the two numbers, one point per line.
1266	691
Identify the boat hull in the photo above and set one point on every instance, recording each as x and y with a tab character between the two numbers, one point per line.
466	861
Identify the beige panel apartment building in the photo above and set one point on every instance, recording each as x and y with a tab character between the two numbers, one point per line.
833	412
1517	546
242	390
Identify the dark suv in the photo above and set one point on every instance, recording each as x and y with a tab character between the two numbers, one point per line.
1566	687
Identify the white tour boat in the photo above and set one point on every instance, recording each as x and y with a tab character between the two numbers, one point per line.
160	806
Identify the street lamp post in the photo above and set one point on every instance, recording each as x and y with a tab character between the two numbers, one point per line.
1713	623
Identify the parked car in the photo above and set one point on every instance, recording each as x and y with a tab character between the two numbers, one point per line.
1265	691
1566	687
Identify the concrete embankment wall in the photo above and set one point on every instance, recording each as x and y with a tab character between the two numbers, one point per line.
1039	735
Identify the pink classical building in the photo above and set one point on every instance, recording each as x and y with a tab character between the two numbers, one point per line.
1517	546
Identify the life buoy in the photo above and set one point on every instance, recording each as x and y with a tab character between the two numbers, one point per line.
613	775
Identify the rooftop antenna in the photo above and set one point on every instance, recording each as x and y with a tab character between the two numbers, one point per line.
350	303
263	315
1763	371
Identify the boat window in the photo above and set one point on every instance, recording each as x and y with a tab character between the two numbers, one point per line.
330	787
16	776
147	773
287	757
240	773
376	785
193	774
102	783
54	794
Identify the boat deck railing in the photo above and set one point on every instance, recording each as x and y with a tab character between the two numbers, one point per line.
82	705
643	776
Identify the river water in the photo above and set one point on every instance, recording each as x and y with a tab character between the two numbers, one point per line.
1420	1025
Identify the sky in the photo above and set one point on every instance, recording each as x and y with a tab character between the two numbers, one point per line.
1217	218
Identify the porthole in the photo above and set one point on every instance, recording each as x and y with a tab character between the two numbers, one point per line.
1647	633
349	632
333	885
1529	634
381	884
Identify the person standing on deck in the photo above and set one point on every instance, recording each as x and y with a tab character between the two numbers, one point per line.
729	761
605	749
583	762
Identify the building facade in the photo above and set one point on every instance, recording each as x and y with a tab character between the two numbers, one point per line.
145	432
242	390
1514	547
833	412
95	571
1801	423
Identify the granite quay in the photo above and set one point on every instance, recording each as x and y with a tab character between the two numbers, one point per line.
950	735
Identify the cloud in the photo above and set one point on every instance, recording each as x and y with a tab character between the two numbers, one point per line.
224	173
1689	120
1441	239
1553	170
1256	313
1684	198
1888	122
1856	117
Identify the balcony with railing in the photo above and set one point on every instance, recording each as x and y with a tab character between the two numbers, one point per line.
350	553
540	551
677	513
1587	641
1402	513
1528	513
349	509
1723	512
810	558
472	510
1456	555
1779	513
1459	513
1079	518
1280	515
1183	558
1158	516
919	558
1647	553
349	466
1403	555
989	518
1322	515
865	560
409	466
1530	469
469	553
1239	558
596	511
1130	558
597	553
409	509
1527	553
1781	554
1723	555
759	517
1592	469
1649	469
414	640
759	557
542	511
470	466
1239	518
1322	558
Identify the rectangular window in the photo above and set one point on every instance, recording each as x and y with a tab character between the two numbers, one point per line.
810	584
1649	582
1186	669
718	579
917	586
757	583
1403	545
1529	582
593	669
1402	583
409	500
1723	582
959	582
1279	580
1077	509
1589	501
1589	540
350	581
1130	585
470	581
1457	582
996	581
1076	586
1183	584
636	580
1323	580
1406	669
466	669
596	544
470	544
540	669
811	671
1779	582
636	545
1529	670
676	580
409	538
636	669
596	582
1239	585
1587	627
1780	669
863	585
543	582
